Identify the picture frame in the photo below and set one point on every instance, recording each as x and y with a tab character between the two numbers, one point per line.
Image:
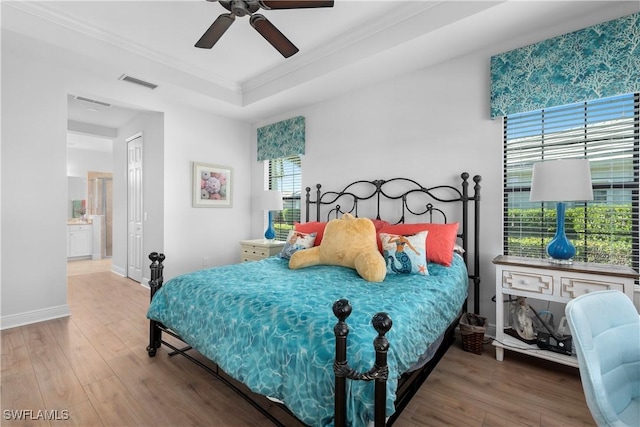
212	185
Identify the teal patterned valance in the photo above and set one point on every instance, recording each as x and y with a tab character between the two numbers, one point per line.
596	62
282	139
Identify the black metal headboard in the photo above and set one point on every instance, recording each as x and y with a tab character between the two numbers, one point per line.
412	199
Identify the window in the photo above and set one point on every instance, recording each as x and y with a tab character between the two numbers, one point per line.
605	131
284	175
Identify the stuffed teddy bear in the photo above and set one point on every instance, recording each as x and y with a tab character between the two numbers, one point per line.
348	242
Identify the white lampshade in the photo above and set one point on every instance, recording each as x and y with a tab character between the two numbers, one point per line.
271	200
562	180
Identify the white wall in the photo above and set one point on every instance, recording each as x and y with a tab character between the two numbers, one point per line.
34	176
34	191
430	125
192	234
79	162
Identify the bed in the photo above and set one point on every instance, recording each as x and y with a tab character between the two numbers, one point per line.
327	346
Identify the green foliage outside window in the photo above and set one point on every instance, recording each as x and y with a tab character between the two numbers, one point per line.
284	221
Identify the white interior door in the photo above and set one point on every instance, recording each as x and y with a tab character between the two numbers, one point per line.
134	208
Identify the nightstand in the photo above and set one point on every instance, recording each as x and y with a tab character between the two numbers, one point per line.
257	249
540	279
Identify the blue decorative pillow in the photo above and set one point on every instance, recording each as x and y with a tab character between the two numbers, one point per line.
405	254
296	241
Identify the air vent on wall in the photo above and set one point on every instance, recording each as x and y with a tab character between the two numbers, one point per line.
93	101
139	82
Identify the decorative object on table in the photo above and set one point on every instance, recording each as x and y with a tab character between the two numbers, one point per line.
211	185
271	201
472	329
561	181
522	322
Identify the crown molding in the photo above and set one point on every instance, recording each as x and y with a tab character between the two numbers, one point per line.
42	11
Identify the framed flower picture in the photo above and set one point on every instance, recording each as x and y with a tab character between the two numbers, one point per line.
211	185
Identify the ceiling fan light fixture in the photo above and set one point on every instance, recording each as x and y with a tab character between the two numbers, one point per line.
259	22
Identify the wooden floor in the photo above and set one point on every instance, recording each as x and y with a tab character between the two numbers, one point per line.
75	268
91	369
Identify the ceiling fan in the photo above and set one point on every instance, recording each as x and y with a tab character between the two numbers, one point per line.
259	22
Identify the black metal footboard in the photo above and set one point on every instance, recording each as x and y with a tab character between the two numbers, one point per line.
378	373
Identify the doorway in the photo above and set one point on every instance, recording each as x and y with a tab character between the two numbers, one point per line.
100	192
134	208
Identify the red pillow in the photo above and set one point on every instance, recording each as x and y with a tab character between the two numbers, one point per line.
311	227
379	223
441	239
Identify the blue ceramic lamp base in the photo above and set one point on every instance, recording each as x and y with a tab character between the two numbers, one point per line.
560	249
270	233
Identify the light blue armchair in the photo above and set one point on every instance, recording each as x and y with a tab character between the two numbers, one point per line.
606	333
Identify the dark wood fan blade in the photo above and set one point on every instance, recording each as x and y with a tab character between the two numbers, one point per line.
273	35
294	4
215	31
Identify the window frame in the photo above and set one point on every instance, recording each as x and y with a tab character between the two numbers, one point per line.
539	148
290	183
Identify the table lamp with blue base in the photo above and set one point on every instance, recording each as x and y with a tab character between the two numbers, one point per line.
271	201
561	181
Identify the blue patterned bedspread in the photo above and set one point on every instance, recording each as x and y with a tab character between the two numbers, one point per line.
272	328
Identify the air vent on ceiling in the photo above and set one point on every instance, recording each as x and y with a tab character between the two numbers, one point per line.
93	101
139	82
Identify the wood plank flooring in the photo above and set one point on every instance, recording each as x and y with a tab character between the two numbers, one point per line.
92	369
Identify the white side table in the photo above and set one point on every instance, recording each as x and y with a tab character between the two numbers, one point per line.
257	249
542	280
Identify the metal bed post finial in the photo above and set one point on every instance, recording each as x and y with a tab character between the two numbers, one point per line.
382	324
318	195
307	202
476	245
156	271
342	310
155	334
465	214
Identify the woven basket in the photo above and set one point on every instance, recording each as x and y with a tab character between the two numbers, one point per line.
472	329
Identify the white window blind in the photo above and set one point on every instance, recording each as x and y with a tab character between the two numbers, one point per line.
284	174
605	131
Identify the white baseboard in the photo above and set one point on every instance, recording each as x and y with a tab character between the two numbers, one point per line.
118	270
122	273
35	316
